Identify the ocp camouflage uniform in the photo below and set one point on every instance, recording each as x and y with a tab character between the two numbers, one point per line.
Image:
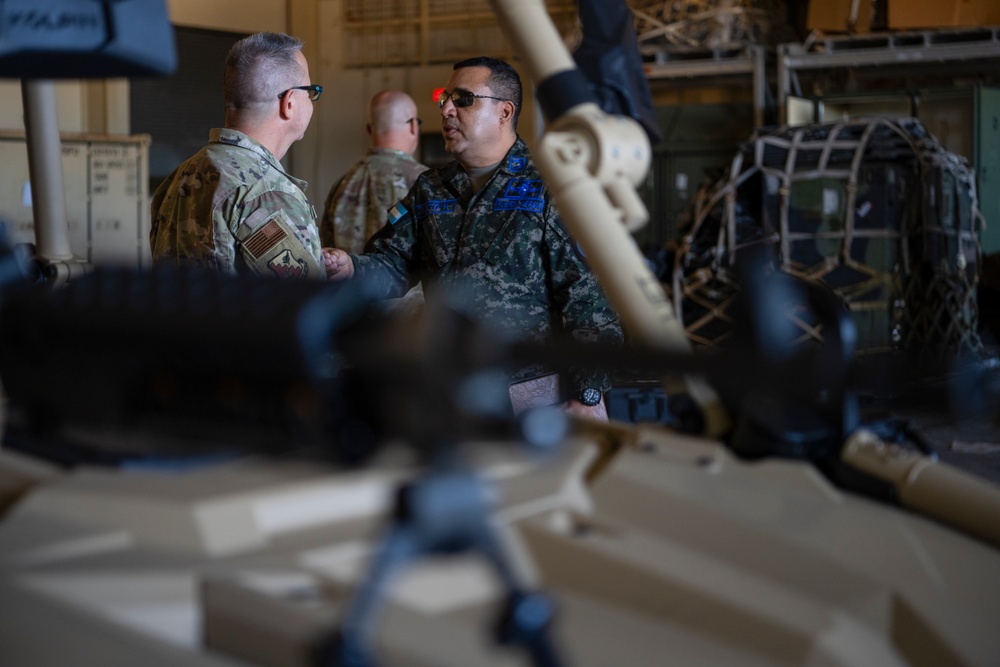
231	207
358	204
506	242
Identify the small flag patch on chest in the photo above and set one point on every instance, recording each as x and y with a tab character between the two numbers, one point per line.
264	239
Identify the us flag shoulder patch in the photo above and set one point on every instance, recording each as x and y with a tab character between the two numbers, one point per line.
264	239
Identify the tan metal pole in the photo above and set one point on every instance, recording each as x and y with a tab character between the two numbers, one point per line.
591	162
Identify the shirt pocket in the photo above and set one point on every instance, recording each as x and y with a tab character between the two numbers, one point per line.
439	239
516	247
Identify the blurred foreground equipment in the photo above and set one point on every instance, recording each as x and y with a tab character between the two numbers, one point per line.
54	39
648	543
69	39
182	361
651	545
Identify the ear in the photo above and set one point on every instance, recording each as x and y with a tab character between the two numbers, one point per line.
506	113
286	106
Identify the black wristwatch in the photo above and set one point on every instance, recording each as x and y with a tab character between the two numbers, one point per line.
590	396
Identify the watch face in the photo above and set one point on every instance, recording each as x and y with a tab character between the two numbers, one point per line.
590	396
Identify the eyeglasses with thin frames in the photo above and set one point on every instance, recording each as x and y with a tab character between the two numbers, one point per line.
419	122
314	90
464	98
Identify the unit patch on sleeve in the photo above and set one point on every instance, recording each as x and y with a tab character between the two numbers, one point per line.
264	239
287	265
521	194
433	207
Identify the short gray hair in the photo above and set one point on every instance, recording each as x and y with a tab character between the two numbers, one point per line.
260	67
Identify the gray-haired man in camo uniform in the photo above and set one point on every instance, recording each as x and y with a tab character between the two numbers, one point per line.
231	207
486	221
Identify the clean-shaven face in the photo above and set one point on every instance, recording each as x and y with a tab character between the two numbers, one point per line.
474	131
305	105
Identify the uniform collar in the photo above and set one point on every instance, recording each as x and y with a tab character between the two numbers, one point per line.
516	162
231	137
394	152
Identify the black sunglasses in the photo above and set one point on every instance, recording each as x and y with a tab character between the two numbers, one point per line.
315	90
464	98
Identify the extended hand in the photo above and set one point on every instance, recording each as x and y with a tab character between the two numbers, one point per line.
338	264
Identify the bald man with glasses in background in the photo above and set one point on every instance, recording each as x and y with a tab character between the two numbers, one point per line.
485	225
359	202
232	207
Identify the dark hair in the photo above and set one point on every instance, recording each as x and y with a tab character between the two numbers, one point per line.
259	67
503	80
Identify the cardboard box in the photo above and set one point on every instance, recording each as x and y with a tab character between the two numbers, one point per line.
909	14
834	16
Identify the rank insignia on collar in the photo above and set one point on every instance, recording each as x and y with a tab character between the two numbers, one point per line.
517	164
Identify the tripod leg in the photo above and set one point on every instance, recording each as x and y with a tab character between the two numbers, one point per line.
527	616
351	645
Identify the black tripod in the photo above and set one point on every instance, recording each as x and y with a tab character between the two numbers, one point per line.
446	510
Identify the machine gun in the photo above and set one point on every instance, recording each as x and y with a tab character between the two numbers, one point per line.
173	372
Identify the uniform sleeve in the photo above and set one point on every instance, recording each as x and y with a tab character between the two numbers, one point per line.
388	265
186	226
222	257
586	314
275	235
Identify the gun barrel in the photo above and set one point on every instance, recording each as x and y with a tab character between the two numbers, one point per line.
930	487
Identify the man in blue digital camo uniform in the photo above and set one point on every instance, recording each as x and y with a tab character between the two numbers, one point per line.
231	207
486	221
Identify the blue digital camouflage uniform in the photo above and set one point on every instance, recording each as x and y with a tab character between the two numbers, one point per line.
231	207
506	242
358	204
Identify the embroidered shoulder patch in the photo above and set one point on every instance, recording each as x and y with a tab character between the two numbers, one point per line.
523	187
264	239
433	207
521	194
517	164
397	212
287	265
514	204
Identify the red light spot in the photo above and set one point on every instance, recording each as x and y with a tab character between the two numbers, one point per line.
436	95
